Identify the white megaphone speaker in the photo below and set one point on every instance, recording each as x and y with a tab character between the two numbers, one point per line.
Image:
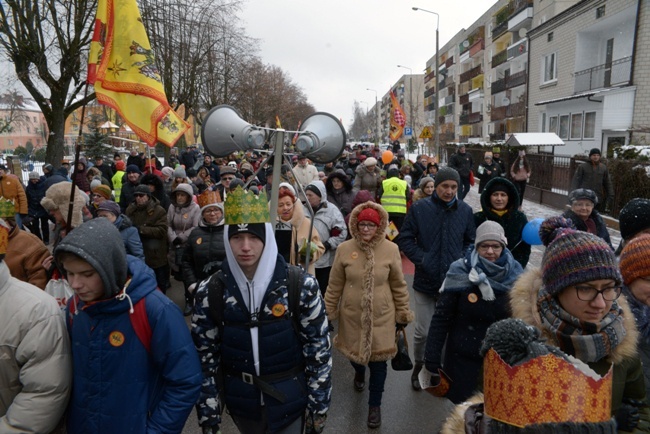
224	132
321	138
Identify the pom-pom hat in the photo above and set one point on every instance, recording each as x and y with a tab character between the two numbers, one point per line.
635	259
572	257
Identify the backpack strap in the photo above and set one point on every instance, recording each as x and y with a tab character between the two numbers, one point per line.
140	322
294	274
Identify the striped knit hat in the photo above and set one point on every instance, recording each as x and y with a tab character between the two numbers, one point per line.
635	259
573	257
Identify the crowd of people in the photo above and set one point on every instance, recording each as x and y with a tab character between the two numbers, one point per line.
328	270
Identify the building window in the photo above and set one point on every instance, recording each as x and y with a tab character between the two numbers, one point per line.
590	125
552	124
564	127
600	12
549	37
34	119
576	126
549	63
28	132
543	122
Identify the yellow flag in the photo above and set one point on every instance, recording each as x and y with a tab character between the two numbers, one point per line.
391	231
121	66
277	122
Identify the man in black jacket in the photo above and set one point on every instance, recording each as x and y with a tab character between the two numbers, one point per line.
462	162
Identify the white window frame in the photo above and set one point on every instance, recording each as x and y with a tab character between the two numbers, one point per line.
553	74
552	119
584	128
572	135
564	136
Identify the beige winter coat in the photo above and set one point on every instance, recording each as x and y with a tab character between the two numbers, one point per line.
367	293
35	360
299	232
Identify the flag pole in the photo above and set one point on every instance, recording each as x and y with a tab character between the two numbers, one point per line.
77	151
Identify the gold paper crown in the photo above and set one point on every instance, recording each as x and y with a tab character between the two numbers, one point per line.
7	208
242	206
4	238
546	389
208	197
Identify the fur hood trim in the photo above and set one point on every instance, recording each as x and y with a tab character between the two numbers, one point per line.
455	423
381	229
523	303
58	196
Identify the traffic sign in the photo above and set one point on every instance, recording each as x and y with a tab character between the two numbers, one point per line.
408	131
426	133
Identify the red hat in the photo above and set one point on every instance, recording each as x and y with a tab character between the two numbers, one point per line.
369	215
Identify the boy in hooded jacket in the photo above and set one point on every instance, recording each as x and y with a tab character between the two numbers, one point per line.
126	378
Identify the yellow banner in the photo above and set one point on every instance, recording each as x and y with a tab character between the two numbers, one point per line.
121	66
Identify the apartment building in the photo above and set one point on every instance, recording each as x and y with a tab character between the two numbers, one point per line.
409	92
580	75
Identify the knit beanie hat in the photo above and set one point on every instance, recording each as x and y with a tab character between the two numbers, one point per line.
34	175
425	180
120	165
110	206
288	187
369	215
573	257
167	172
257	229
142	189
594	151
179	172
635	259
314	189
634	217
99	243
583	193
103	190
370	161
490	231
132	168
446	174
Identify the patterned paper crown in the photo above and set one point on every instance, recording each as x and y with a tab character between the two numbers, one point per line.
208	197
242	206
4	238
7	208
546	389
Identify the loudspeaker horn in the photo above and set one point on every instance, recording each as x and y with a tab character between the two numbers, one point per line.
224	132
322	138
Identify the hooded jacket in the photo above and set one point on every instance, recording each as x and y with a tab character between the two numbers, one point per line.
343	197
513	221
35	192
367	312
151	222
129	233
81	178
628	375
204	252
119	385
35	359
329	223
364	180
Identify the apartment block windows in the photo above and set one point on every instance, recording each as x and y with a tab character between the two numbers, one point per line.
600	12
564	127
549	63
543	122
590	125
552	124
576	126
549	37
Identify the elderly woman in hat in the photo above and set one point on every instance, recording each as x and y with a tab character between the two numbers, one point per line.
367	177
584	215
575	300
368	295
473	296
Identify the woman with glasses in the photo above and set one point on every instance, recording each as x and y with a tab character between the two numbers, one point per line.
368	295
292	231
584	215
575	300
473	296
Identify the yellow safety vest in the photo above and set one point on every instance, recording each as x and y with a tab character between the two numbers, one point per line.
393	198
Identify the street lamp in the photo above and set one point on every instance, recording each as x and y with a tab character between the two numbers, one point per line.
437	102
366	118
410	98
376	118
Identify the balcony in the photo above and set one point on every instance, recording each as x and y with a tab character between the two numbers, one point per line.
517	49
499	86
499	58
498	113
499	29
521	16
429	92
516	79
476	93
616	73
449	62
430	76
468	75
449	99
475	118
464	99
430	107
477	47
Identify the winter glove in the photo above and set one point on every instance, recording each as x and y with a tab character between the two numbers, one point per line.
315	423
211	429
627	416
327	245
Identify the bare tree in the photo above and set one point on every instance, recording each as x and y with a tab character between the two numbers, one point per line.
47	42
12	114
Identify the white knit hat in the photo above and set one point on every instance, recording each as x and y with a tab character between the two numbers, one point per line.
490	231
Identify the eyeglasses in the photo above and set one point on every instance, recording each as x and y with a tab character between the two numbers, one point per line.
486	247
589	293
213	210
366	225
227	178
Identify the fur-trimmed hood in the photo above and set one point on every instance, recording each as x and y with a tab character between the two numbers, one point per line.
511	191
381	229
455	422
523	303
58	197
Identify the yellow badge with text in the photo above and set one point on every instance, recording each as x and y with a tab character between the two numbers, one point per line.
278	310
354	255
199	240
116	339
473	298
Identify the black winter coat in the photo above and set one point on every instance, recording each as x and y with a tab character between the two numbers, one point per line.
151	222
484	177
463	163
601	227
36	192
203	254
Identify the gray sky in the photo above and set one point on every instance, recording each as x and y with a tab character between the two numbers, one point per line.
335	49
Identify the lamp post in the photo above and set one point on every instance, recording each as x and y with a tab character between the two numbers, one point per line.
410	98
376	118
437	102
366	120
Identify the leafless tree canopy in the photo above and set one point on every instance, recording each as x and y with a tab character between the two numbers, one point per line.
202	51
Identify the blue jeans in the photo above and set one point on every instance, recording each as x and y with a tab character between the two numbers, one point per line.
378	372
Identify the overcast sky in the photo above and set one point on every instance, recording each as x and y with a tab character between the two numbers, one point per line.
335	49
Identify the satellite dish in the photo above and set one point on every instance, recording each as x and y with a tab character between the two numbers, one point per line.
523	32
465	43
505	101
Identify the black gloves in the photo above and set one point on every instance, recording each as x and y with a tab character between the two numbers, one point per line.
627	416
327	245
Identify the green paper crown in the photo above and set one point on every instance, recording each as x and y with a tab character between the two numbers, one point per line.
7	208
242	206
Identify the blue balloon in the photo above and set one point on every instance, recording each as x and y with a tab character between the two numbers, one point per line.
530	233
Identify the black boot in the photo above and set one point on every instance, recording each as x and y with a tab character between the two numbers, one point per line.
415	382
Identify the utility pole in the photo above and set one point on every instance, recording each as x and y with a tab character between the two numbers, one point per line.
376	118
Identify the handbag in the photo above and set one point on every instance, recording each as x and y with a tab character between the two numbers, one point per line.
471	178
59	289
402	360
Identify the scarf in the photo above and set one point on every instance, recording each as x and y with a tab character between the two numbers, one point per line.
489	276
641	313
499	213
584	340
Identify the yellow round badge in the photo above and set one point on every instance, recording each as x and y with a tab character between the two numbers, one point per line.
199	240
473	298
354	255
186	215
116	339
278	310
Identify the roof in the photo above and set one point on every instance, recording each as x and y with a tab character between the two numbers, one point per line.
534	139
108	124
